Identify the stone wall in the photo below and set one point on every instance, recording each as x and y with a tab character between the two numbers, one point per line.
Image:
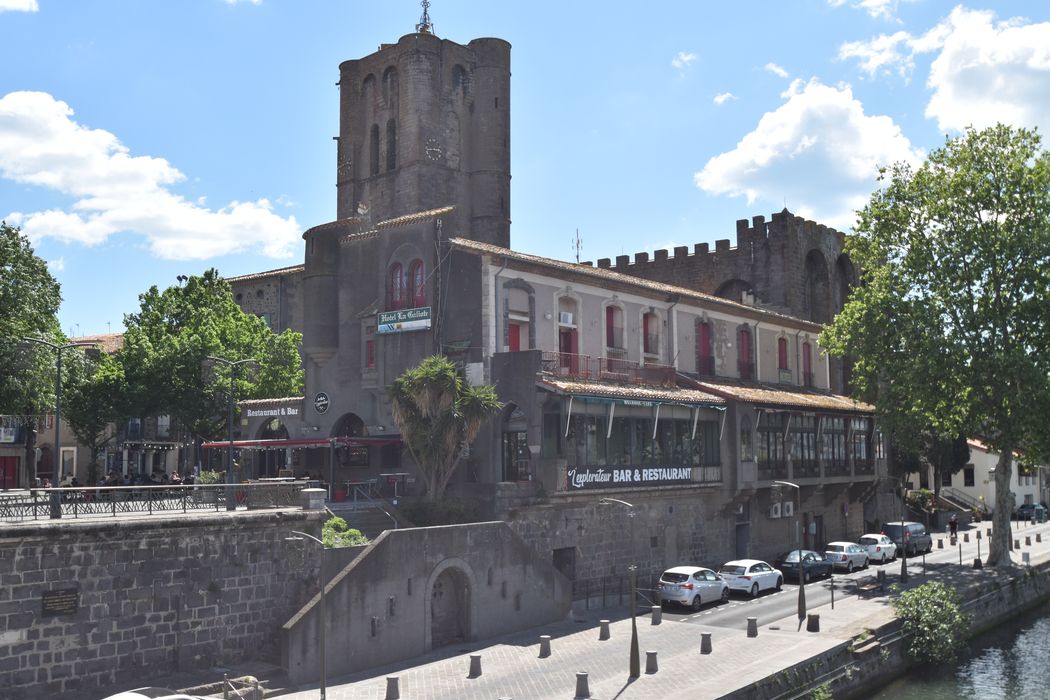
137	598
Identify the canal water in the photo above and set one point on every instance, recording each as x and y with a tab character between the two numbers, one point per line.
1010	662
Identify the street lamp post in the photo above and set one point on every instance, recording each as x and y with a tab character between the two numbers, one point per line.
231	503
323	618
801	567
635	660
56	505
904	533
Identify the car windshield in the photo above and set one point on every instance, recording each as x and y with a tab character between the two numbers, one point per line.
869	540
674	577
790	556
734	570
836	548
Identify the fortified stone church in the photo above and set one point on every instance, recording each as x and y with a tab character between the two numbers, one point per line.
694	378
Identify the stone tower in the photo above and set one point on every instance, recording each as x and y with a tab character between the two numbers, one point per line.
424	124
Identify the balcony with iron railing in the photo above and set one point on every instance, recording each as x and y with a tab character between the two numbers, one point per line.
569	365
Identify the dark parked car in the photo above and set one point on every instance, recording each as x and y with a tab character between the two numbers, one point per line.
909	537
1025	511
814	565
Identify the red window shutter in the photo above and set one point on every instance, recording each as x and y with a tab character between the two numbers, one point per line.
807	359
514	337
610	321
744	348
370	353
782	353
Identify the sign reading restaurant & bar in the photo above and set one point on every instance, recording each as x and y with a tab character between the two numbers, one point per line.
404	320
580	478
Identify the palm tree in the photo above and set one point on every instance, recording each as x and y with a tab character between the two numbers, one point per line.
439	415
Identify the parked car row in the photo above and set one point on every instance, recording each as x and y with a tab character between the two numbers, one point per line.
693	586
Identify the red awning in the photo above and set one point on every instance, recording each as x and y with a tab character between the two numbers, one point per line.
311	442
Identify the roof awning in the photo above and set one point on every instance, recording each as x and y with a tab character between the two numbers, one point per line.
630	395
311	442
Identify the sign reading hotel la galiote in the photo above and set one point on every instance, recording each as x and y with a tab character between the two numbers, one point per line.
605	477
404	320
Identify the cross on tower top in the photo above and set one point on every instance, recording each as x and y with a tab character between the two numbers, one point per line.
425	26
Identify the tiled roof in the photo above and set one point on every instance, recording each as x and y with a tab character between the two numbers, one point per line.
397	222
108	343
603	274
292	269
581	387
776	395
284	401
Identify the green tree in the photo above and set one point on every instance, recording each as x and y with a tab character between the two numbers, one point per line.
336	533
439	415
168	341
949	325
94	404
933	622
29	301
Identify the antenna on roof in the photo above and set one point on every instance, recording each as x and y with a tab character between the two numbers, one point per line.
424	26
577	245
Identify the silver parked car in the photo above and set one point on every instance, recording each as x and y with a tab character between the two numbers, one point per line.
846	555
692	586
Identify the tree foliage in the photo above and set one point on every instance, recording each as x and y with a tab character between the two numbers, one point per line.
168	341
97	400
933	622
29	301
439	415
949	325
336	533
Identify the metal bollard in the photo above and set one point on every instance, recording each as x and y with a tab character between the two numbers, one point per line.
393	691
1026	558
752	627
1038	537
650	662
978	534
705	642
658	615
475	666
880	576
1017	544
545	646
940	543
977	564
988	531
813	622
582	690
1027	540
966	537
603	630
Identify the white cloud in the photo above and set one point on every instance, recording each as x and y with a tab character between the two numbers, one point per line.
879	9
983	72
235	2
723	97
19	6
818	152
57	265
683	59
776	70
113	191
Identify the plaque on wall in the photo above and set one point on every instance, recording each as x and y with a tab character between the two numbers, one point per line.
605	477
64	602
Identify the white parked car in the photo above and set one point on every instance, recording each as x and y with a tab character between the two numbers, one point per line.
880	548
751	576
846	555
153	694
692	586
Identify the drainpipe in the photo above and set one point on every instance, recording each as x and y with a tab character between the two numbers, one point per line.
758	354
498	311
798	365
672	337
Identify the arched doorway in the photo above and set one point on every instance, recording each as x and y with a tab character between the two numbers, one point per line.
449	609
737	290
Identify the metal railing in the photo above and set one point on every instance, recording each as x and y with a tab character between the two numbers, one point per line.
113	501
576	366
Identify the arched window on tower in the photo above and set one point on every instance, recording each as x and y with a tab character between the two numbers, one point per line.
396	288
391	145
374	155
416	281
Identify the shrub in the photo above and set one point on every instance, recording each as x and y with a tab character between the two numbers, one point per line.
336	533
921	500
933	622
208	476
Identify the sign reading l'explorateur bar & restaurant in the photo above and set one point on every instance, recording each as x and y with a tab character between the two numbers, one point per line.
580	478
404	320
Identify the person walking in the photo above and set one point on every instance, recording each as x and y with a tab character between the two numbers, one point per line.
953	525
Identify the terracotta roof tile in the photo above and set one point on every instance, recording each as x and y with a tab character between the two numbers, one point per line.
629	391
776	395
108	343
284	401
396	222
600	273
290	270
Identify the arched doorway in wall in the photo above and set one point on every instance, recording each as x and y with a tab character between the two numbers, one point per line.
270	462
736	290
449	608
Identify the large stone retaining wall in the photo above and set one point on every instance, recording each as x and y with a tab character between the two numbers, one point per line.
85	606
380	607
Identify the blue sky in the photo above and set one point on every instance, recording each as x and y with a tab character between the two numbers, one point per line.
144	139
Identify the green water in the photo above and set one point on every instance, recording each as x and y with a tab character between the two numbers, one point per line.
1011	662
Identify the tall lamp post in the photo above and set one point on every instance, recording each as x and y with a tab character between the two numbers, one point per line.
635	660
56	503
801	564
904	532
323	618
231	503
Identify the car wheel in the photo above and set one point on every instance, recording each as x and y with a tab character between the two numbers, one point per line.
865	564
725	595
780	583
698	602
754	590
849	567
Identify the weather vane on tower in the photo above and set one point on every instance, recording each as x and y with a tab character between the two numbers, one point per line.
424	26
